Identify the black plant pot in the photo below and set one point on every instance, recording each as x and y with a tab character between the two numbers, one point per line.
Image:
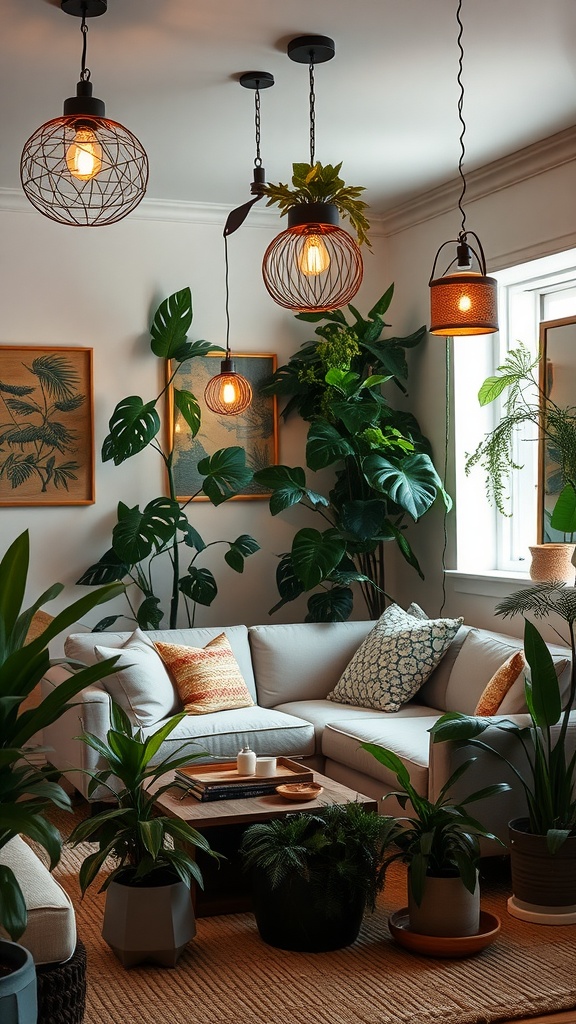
297	915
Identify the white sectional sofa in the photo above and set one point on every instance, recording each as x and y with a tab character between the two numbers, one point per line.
289	670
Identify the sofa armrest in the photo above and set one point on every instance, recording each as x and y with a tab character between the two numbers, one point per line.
90	713
495	812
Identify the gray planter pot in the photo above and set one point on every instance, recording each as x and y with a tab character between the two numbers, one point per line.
18	999
148	923
447	908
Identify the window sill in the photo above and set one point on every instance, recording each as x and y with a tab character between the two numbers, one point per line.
495	583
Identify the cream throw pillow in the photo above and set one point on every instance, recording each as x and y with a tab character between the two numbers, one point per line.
140	684
394	660
207	678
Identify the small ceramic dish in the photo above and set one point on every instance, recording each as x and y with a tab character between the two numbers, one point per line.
300	790
443	945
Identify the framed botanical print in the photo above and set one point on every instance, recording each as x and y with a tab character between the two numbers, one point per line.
255	429
46	426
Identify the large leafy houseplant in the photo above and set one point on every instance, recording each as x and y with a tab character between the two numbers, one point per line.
162	527
384	474
141	843
440	838
27	790
317	183
527	402
547	768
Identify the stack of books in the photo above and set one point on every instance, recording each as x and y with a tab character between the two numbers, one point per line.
224	781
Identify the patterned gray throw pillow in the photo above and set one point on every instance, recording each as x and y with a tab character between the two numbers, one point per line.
394	660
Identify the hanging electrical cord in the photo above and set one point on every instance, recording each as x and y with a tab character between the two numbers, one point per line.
447	396
256	80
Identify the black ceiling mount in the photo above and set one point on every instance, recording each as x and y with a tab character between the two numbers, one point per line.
257	80
84	8
311	49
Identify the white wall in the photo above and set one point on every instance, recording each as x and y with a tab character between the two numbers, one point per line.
99	288
517	222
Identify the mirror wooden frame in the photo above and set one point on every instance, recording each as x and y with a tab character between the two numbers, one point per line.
548	373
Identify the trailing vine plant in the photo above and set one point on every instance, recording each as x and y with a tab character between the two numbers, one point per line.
161	530
384	474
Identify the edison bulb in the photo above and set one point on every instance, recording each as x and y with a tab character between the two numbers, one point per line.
84	155
229	393
314	257
464	303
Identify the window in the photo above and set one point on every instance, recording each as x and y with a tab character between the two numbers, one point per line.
488	542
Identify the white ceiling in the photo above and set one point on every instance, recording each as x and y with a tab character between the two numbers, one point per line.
386	105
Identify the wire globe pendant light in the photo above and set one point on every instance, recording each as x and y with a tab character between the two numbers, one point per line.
463	301
83	169
313	266
229	393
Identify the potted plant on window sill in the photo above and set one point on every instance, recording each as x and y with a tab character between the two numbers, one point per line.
528	402
440	845
27	790
543	844
314	874
148	914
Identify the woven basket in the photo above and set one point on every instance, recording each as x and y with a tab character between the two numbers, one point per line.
62	990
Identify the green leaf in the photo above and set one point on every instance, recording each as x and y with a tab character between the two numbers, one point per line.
14	914
381	307
149	614
132	426
413	483
315	554
288	485
546	700
391	358
171	324
313	318
239	550
137	533
493	387
226	473
199	585
13	576
363	518
564	512
289	586
188	406
358	415
334	605
107	570
325	445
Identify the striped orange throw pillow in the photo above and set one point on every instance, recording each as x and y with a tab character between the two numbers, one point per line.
207	678
498	686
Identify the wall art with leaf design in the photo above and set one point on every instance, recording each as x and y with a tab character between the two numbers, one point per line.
46	426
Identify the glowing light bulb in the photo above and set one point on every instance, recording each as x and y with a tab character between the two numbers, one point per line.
464	303
229	392
84	155
314	257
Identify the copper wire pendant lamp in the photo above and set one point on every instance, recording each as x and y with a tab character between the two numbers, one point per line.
84	169
313	266
229	393
463	300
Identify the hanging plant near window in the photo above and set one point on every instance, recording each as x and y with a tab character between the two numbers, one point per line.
161	530
384	474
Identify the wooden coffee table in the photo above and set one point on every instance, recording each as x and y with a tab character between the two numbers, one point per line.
226	886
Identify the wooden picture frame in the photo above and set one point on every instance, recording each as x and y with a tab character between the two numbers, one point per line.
255	430
46	426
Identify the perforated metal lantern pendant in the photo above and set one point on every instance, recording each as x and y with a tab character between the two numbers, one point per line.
83	169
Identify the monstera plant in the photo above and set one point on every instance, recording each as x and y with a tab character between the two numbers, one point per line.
383	472
142	536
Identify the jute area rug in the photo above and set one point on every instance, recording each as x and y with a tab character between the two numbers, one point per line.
227	975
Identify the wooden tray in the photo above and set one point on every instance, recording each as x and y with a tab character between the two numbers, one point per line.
225	773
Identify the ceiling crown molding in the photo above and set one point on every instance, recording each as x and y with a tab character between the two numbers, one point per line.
538	158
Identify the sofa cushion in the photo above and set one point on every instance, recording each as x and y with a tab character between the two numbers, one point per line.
394	660
224	733
50	934
140	684
303	660
406	736
497	687
80	646
208	678
323	712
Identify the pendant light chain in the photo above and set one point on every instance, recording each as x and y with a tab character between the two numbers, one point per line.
258	159
84	72
461	119
227	294
312	113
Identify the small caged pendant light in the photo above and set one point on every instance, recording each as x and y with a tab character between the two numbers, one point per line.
313	266
463	301
83	169
229	393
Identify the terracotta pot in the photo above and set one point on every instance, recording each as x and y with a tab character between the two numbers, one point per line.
541	878
148	923
18	999
447	907
553	562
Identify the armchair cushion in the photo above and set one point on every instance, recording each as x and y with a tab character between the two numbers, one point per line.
140	685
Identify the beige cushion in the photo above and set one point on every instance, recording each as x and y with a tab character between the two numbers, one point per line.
395	660
140	685
302	660
224	733
51	930
407	736
208	678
